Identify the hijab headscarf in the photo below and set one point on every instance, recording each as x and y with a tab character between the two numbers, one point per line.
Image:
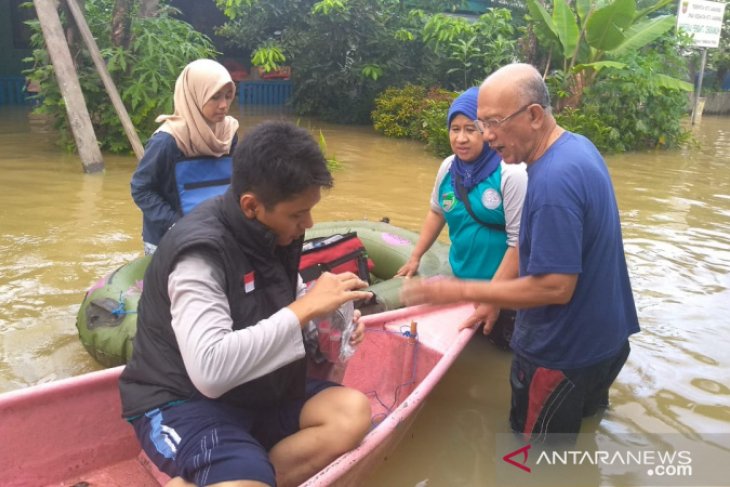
195	136
470	173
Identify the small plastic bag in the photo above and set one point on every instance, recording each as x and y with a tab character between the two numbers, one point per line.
334	332
327	341
328	338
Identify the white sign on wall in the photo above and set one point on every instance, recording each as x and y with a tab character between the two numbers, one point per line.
703	19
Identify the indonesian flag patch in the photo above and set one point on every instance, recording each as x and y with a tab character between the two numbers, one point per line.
248	282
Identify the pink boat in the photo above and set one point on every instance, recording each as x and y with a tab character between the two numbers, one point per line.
70	432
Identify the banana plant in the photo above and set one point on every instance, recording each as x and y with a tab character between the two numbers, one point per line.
593	35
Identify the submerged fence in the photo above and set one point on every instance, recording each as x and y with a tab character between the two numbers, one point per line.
268	93
12	91
262	93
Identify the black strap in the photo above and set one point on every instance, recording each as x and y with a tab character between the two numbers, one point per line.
314	244
314	271
465	198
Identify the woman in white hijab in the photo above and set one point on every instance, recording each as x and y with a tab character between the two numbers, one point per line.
188	158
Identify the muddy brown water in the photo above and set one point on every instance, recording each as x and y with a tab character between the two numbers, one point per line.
61	229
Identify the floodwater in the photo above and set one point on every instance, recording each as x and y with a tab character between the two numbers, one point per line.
61	229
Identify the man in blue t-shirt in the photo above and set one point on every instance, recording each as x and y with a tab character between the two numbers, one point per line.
576	307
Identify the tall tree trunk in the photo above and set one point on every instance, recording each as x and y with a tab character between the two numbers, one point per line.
68	82
116	100
122	23
149	8
71	33
528	46
578	83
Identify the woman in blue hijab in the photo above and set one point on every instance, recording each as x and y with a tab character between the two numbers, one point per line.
480	198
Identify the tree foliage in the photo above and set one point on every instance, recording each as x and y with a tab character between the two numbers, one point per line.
588	36
144	72
344	52
615	70
636	104
461	53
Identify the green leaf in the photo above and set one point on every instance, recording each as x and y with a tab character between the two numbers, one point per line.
604	29
326	7
404	35
643	33
372	71
672	83
268	57
231	8
599	65
566	27
542	20
583	8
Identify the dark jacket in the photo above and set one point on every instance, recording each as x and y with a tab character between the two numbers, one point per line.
156	375
154	187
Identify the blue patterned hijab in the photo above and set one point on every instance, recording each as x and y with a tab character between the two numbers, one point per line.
470	173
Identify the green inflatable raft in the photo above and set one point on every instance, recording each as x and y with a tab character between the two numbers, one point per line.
107	319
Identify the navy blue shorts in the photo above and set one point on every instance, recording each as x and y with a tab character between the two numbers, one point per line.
206	441
555	401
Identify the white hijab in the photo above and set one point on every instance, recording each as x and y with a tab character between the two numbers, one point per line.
195	136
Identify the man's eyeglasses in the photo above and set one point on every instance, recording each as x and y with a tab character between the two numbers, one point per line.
493	123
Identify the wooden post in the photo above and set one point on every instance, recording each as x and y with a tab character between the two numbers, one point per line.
111	89
68	82
698	91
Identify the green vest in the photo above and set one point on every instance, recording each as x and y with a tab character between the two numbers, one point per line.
476	250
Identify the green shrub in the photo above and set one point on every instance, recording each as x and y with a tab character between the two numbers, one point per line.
633	106
637	108
432	121
637	102
413	112
589	122
397	111
461	52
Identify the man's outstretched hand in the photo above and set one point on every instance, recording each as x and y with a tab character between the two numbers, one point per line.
434	290
327	294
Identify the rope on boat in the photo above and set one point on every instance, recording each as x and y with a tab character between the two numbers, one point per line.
121	308
413	340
